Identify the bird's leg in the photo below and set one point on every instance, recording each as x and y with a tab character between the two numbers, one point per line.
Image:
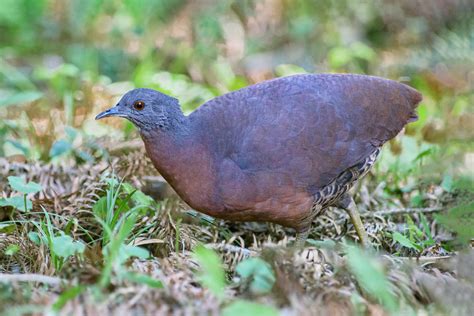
347	203
302	235
301	238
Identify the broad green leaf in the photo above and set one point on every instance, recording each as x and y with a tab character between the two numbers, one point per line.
212	274
259	272
24	149
128	251
64	246
405	242
370	276
20	98
18	202
138	197
18	184
241	308
59	148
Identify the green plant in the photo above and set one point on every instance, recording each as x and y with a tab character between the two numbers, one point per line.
61	246
118	220
460	220
212	275
371	277
414	237
21	203
243	307
258	272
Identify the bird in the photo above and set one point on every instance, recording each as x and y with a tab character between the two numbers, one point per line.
281	151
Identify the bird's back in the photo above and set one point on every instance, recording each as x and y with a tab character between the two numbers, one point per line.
308	127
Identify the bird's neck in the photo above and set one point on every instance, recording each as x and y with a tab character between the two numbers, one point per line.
184	161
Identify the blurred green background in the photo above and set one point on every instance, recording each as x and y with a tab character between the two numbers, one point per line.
63	61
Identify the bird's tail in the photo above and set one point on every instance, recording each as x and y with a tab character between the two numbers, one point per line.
414	98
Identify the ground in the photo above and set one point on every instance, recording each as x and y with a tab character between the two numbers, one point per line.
416	273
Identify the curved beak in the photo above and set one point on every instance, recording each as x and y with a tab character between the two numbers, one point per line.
110	112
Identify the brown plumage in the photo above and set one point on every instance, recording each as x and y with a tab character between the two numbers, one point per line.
269	151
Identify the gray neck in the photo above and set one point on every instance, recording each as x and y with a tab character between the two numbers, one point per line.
172	124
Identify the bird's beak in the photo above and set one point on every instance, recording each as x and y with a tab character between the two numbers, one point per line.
110	112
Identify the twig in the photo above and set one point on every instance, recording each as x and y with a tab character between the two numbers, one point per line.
396	211
30	277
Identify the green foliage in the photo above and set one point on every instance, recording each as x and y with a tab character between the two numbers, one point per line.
212	274
241	307
460	220
118	218
61	246
11	250
18	184
371	277
21	203
20	98
414	237
259	273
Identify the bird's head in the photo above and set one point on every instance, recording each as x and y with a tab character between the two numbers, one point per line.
147	109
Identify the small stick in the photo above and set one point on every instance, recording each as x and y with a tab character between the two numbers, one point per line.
30	277
402	211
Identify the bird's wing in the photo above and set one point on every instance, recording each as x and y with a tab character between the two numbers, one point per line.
307	129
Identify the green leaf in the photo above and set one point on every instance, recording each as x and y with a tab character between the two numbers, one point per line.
138	197
6	228
405	242
67	295
417	200
143	279
18	202
59	148
339	56
24	149
18	184
259	272
212	274
460	220
35	237
11	250
241	308
100	207
447	183
20	98
64	246
371	278
71	133
128	251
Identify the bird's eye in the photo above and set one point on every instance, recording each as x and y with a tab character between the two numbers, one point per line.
139	105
